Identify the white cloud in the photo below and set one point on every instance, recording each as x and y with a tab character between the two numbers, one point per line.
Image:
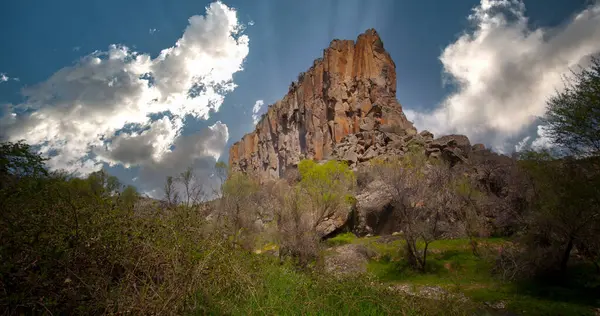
138	148
543	140
4	77
257	110
152	31
81	114
505	71
523	144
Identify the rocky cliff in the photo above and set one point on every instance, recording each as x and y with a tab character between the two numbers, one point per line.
344	108
351	90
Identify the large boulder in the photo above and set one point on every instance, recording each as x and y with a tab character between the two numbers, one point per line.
453	148
335	222
374	209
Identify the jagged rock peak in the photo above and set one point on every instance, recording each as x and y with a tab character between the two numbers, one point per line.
350	90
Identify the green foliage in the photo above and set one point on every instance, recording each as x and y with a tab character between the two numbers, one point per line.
75	246
572	115
102	184
83	246
238	208
327	183
240	186
565	211
129	197
18	159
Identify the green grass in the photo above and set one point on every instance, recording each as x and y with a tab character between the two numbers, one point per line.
279	289
282	290
452	265
341	239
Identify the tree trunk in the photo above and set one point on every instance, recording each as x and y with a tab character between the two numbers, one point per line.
566	256
474	248
424	262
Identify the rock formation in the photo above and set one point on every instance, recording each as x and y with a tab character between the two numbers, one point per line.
351	90
344	108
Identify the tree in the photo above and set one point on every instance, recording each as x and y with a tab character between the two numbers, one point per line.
328	187
18	160
325	190
171	194
192	187
221	171
471	203
423	198
129	196
573	115
103	184
238	207
565	211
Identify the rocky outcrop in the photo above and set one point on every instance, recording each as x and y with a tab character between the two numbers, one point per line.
344	108
351	90
374	209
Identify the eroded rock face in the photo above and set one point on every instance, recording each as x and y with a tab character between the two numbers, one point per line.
344	108
351	90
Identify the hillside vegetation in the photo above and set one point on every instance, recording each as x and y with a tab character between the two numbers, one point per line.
91	246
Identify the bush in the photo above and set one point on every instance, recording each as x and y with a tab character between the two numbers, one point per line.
79	246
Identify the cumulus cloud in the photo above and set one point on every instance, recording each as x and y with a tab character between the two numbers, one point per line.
504	71
152	31
101	109
4	77
257	111
138	148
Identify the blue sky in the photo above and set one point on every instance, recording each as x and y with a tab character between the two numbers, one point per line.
481	68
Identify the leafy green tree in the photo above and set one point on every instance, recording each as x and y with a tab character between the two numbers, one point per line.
329	186
128	197
324	190
573	115
238	207
103	184
18	159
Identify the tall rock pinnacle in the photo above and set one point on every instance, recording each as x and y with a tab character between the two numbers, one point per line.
350	90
